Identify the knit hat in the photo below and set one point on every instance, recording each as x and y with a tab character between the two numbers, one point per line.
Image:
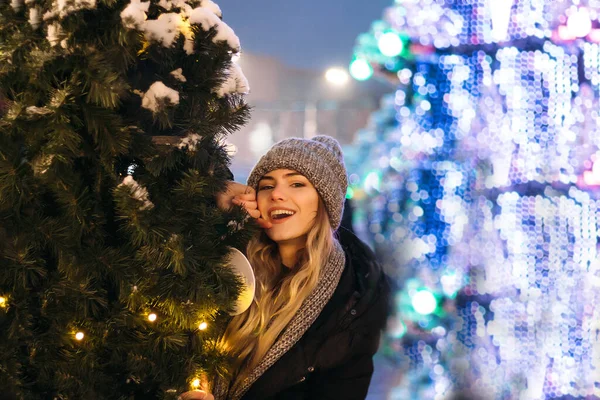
319	159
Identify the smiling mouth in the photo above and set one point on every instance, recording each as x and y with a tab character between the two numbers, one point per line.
281	215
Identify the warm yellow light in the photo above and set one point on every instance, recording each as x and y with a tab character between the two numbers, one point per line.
2	301
152	317
196	383
203	326
79	336
186	28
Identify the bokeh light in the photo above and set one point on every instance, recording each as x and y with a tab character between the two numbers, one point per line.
390	44
361	70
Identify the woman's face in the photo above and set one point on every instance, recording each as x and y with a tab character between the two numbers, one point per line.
290	202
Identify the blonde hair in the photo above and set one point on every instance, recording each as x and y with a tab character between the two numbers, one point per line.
250	335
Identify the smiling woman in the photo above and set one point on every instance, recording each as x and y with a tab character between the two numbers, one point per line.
290	202
321	298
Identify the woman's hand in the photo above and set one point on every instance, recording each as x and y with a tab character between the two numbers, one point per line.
196	395
243	196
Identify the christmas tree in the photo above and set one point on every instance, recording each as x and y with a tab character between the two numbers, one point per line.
114	278
482	196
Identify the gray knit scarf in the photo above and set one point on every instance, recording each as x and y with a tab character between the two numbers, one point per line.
298	325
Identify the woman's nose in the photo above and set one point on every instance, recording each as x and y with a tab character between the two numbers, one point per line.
278	193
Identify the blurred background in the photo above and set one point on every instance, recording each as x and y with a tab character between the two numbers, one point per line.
287	51
471	131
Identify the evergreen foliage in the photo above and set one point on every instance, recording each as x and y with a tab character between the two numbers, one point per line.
100	225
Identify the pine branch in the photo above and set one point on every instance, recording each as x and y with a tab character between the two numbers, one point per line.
83	250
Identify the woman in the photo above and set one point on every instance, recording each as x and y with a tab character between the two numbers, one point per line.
321	299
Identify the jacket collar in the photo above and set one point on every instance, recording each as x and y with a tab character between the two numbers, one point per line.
299	324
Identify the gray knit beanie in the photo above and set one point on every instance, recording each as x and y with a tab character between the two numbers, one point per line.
319	159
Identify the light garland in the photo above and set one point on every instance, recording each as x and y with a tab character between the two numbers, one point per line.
484	185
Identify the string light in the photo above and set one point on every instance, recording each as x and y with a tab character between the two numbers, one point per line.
79	336
203	326
196	383
152	317
3	302
424	302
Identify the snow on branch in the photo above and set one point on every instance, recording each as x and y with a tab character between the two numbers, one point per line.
236	82
190	141
62	8
156	92
56	35
167	27
207	20
178	74
212	6
16	4
138	192
166	4
134	15
35	17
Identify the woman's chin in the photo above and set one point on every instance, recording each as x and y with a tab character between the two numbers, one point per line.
280	237
287	238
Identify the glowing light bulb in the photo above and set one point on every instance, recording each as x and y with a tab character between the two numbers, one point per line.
79	336
196	383
390	44
361	70
337	76
580	23
203	326
152	317
2	301
424	302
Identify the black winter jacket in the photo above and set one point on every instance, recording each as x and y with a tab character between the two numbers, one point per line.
334	358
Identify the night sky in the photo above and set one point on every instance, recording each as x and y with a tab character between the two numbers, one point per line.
312	34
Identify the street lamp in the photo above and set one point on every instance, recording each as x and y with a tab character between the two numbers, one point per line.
337	76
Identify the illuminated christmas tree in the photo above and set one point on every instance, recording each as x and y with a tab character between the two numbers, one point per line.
483	198
113	256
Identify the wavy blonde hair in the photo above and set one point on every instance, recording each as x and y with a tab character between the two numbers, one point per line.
278	296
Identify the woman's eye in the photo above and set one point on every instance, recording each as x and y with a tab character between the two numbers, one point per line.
298	184
266	187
